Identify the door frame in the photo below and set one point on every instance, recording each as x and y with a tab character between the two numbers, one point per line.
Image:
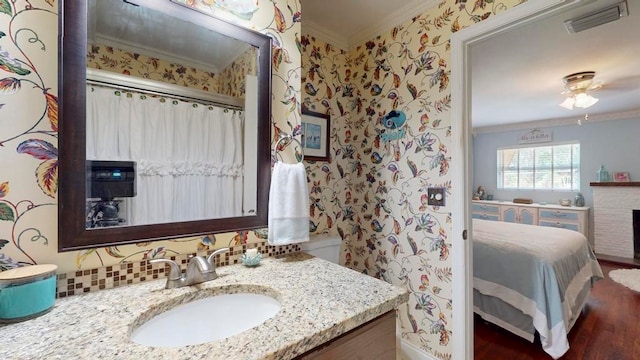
462	159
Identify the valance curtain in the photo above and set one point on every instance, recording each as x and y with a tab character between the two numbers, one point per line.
188	155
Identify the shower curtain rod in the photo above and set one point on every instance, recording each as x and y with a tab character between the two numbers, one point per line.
129	83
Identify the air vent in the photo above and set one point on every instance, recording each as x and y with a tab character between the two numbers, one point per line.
599	17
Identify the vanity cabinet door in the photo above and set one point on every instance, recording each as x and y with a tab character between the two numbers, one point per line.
373	340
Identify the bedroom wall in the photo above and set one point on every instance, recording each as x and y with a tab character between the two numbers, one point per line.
613	144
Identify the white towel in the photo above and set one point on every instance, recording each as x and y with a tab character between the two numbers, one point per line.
288	204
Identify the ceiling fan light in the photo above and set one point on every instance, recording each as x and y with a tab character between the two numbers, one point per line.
584	100
568	103
576	86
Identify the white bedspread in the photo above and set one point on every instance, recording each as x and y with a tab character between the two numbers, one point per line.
538	270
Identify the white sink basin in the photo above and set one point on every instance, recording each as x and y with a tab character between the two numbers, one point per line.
209	319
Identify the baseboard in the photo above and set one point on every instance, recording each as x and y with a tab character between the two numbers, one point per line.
616	260
408	351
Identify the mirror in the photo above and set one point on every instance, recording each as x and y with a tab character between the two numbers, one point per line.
176	59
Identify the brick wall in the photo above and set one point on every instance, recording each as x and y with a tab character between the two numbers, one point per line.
613	219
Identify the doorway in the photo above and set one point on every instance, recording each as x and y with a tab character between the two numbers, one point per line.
462	257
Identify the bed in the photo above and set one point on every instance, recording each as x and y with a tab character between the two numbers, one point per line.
532	278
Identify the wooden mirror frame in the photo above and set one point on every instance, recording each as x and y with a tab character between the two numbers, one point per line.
72	232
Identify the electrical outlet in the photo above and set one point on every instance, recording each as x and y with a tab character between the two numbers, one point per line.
436	196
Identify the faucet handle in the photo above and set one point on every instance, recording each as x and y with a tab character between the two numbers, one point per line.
174	273
211	258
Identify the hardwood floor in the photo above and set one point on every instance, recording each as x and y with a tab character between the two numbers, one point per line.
608	329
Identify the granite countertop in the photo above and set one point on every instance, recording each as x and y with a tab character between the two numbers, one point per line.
319	301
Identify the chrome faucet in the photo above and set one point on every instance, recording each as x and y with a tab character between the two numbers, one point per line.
198	271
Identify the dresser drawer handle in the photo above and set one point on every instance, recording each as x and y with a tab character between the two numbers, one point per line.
559	214
560	225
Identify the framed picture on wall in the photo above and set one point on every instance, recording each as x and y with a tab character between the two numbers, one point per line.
621	177
316	128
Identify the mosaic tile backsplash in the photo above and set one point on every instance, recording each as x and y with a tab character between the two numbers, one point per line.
108	277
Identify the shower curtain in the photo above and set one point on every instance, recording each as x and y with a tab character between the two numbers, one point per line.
188	155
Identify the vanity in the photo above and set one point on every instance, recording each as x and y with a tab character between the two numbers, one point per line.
324	307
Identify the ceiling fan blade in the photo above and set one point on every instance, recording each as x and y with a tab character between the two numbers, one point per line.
622	84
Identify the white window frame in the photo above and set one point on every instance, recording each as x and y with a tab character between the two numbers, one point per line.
500	173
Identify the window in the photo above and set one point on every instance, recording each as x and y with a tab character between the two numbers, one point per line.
550	167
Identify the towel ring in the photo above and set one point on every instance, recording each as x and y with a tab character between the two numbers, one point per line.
289	138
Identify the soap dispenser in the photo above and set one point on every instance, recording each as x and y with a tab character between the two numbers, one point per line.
602	175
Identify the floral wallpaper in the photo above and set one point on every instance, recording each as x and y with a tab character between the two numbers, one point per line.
232	78
230	81
29	125
124	62
389	101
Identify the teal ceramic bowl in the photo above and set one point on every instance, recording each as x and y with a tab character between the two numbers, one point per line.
27	292
251	261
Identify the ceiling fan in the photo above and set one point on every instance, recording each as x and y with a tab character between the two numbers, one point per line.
577	87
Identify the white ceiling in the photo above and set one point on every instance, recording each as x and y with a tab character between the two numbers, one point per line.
348	23
145	31
516	76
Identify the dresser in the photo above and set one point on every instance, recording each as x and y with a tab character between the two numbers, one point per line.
574	218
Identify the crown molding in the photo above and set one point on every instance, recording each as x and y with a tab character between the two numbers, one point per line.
386	23
146	50
572	120
395	18
325	35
